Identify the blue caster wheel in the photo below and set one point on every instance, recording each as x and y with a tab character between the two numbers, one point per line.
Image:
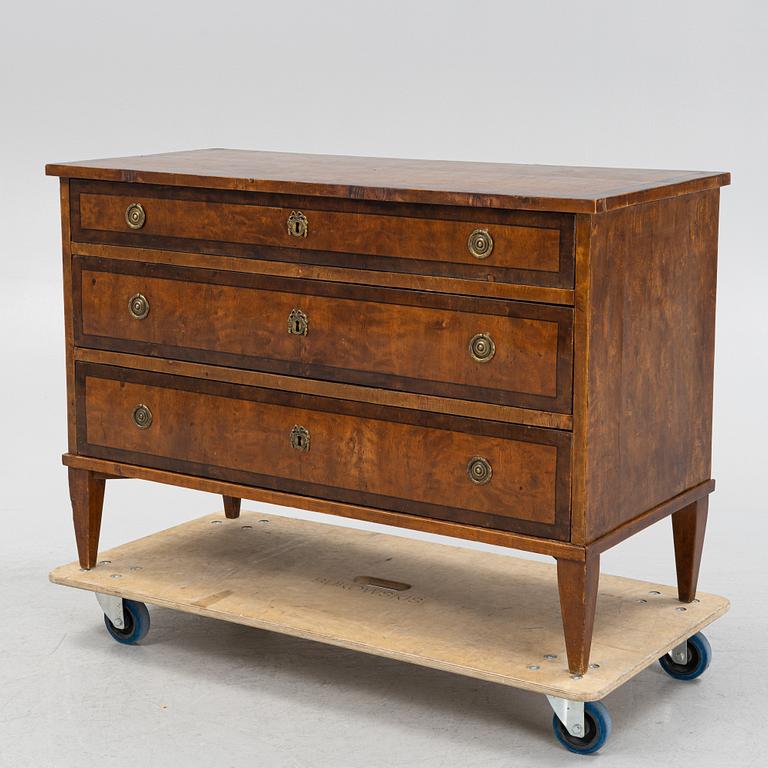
136	623
699	656
597	727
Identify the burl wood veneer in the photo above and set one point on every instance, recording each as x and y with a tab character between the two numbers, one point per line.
520	355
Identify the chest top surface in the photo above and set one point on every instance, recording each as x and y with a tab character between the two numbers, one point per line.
569	189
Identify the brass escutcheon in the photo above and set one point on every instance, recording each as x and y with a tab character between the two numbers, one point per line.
142	416
481	347
298	224
138	306
480	243
135	216
300	438
479	470
298	323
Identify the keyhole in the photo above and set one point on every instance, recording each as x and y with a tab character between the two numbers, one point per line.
296	228
300	438
297	323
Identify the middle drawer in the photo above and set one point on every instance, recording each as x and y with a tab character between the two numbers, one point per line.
503	352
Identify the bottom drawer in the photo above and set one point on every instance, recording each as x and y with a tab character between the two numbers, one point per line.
492	474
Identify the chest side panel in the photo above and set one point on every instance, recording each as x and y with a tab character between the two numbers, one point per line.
650	348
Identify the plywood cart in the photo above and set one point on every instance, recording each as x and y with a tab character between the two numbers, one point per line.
493	617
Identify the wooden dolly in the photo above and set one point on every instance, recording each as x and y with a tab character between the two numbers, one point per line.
489	616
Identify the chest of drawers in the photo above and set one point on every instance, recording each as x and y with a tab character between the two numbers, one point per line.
518	355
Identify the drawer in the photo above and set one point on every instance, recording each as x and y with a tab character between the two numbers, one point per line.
503	352
476	472
504	246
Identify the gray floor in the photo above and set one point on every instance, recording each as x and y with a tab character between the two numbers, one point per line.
205	693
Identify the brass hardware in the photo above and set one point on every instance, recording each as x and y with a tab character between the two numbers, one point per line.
298	224
300	438
138	306
135	216
142	416
481	347
479	470
298	323
480	244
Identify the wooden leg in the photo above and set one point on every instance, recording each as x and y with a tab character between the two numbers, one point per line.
688	530
86	492
577	582
232	507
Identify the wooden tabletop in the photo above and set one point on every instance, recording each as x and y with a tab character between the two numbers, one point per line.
496	185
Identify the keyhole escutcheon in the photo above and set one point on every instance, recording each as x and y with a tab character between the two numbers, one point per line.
298	224
299	438
298	323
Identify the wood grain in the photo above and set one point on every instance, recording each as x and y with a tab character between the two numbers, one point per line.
530	248
577	585
66	259
395	236
492	185
538	544
485	615
483	284
358	453
688	527
231	507
581	393
650	348
599	297
86	492
651	516
374	395
375	337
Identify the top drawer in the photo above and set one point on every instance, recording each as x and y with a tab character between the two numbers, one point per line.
482	244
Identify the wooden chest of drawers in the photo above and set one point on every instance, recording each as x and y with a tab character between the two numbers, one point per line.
519	355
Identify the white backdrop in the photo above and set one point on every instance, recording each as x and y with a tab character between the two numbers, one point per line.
654	84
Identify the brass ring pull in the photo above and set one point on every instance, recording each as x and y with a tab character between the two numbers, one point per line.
138	306
479	470
135	216
298	323
298	224
299	438
481	347
480	243
142	416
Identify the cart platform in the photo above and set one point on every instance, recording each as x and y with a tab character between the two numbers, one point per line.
489	616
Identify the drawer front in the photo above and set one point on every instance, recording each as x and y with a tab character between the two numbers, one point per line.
530	248
487	350
388	458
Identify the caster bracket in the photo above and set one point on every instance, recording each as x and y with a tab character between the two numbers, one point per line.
570	713
679	653
113	608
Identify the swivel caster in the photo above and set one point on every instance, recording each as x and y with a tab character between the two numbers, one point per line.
581	727
126	620
688	660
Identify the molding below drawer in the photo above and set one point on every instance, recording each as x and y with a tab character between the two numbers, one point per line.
115	469
455	285
471	409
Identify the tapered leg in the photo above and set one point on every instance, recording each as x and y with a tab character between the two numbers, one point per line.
577	582
231	507
688	527
86	492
